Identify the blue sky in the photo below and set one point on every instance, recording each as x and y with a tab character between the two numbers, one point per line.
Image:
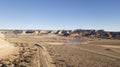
60	14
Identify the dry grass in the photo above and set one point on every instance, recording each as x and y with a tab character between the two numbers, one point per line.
106	42
65	56
24	58
68	55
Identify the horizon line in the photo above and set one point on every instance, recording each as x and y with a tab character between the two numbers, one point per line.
63	29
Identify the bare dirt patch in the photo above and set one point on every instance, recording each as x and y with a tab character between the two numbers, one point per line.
6	48
111	46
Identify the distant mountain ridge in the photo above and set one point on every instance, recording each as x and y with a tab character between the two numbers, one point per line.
73	33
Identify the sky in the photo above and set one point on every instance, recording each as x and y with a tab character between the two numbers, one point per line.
60	14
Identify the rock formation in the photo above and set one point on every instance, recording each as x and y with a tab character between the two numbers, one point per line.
76	32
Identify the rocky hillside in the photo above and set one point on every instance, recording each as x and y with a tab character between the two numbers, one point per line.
72	33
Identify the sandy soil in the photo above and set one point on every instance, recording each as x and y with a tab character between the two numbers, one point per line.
111	46
6	48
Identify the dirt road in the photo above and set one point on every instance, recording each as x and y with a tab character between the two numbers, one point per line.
43	57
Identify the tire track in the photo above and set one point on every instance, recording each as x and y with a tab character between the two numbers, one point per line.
43	57
96	52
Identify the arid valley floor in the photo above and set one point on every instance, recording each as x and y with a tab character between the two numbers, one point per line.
25	50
